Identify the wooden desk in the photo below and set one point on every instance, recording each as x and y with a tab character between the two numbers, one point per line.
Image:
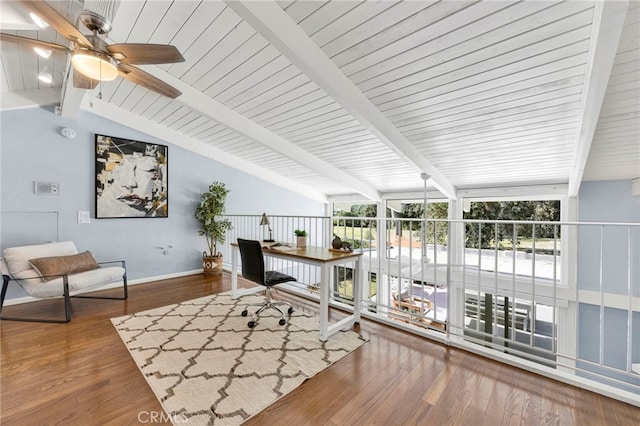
317	256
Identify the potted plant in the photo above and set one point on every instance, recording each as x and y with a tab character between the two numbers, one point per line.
301	238
213	226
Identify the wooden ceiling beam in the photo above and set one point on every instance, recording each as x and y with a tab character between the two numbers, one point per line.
215	110
608	23
134	121
273	23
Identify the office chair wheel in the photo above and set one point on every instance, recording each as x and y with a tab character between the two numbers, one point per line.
251	324
290	310
282	322
245	313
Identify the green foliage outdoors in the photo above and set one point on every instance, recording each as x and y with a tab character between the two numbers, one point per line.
356	241
208	212
436	231
353	227
357	244
488	235
345	284
353	218
484	235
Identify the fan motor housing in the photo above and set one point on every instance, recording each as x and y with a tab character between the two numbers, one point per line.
95	22
99	45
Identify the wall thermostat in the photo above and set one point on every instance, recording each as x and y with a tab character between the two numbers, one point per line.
46	188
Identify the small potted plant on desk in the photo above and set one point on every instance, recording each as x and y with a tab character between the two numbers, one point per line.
301	238
213	226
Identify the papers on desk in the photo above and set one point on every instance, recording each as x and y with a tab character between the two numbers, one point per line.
280	246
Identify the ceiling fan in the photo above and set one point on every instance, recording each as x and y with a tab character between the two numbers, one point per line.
93	59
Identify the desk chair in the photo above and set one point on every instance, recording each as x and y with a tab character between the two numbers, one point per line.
253	270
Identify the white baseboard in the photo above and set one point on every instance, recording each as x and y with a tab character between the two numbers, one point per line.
27	299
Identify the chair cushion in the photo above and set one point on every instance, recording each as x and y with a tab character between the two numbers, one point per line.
78	283
53	267
20	269
275	277
17	258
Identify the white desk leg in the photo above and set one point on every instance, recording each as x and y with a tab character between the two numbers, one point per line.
234	272
325	288
357	290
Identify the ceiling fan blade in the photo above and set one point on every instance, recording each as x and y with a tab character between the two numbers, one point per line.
33	42
141	53
81	81
57	21
144	79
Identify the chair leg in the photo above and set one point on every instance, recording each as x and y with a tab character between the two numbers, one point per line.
67	304
125	295
268	304
66	296
5	284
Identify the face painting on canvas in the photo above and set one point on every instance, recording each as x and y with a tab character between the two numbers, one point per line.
131	178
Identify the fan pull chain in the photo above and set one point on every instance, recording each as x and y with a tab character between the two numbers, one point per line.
100	89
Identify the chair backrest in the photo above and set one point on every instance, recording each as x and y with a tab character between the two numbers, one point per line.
252	260
18	258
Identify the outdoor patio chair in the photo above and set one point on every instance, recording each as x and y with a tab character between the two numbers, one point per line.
411	303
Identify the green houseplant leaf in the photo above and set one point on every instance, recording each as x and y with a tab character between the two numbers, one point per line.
208	212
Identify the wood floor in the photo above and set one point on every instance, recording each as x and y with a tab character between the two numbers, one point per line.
81	374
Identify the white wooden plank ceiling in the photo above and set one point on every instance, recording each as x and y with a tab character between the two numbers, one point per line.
349	97
615	152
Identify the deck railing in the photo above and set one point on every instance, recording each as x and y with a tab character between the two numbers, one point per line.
558	298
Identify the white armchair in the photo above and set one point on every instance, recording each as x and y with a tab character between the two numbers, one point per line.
58	270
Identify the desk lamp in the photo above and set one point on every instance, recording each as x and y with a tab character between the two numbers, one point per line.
265	221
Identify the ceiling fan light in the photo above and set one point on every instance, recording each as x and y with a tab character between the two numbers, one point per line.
94	65
38	20
45	53
45	75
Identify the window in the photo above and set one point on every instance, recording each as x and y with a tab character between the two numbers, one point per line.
350	223
497	236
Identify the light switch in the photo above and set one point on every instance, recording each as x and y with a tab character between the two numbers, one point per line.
84	217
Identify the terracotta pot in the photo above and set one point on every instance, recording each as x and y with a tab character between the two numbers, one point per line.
212	265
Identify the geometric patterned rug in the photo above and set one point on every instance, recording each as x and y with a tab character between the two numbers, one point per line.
206	367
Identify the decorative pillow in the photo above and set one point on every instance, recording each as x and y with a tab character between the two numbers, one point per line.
17	258
55	266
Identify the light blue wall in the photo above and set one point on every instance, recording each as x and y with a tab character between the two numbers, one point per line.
609	201
32	149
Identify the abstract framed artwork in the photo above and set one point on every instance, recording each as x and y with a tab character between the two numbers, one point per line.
131	178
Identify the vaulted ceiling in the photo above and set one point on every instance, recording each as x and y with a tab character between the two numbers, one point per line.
333	98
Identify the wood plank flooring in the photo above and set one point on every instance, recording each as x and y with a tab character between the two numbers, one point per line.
80	373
